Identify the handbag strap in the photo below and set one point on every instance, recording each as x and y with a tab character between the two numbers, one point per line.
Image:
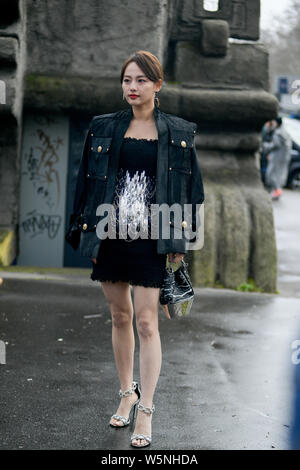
169	265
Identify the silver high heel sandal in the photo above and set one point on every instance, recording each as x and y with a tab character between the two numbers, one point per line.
143	436
126	421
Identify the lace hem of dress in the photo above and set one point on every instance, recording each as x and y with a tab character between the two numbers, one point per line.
134	282
140	140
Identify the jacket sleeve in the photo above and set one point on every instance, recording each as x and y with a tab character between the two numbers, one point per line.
81	183
73	233
197	191
275	143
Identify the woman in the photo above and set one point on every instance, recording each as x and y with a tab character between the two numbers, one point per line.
133	167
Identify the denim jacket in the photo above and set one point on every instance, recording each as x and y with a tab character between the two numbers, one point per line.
178	178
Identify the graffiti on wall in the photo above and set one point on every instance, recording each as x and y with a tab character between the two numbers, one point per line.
43	189
36	224
40	164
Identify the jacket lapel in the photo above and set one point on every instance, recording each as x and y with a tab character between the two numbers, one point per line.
118	134
162	157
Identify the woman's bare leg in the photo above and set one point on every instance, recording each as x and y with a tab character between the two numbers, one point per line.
118	297
146	310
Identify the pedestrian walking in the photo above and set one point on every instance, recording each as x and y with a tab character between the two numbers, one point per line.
135	158
278	154
267	132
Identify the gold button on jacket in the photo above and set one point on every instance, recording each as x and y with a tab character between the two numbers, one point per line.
99	148
84	226
184	223
183	143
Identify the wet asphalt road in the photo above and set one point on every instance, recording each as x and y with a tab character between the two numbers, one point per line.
226	377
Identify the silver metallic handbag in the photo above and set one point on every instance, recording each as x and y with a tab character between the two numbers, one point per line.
176	294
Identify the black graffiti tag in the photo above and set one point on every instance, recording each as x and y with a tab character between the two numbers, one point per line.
41	162
37	224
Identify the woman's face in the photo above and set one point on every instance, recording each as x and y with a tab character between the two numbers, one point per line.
138	89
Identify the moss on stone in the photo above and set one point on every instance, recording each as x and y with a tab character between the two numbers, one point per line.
218	285
7	247
172	83
45	82
191	45
250	286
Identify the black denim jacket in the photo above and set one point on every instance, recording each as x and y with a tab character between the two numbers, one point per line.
178	177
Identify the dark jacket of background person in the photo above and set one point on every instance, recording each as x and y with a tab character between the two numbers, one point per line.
266	137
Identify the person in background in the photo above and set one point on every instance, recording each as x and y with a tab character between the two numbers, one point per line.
267	132
278	152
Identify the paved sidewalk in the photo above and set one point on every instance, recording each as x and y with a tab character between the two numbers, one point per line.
226	377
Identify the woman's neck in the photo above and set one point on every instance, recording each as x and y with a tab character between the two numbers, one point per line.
143	113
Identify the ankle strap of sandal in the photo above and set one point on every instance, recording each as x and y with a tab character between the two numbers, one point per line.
128	392
145	409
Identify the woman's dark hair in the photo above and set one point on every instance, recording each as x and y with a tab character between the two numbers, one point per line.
149	64
279	121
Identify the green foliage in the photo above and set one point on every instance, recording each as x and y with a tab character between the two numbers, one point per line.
249	286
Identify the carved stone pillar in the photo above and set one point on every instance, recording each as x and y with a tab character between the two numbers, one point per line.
223	85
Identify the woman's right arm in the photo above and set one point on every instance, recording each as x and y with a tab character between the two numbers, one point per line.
81	183
73	234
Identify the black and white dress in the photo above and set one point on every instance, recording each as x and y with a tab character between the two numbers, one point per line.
129	259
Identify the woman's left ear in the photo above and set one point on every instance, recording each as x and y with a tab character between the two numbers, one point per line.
159	84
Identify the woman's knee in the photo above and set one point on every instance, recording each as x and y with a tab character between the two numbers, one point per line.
146	325
121	318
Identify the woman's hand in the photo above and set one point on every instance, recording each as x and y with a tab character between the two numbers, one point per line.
94	260
175	257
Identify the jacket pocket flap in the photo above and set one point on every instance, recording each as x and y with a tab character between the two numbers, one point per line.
88	222
181	138
100	145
